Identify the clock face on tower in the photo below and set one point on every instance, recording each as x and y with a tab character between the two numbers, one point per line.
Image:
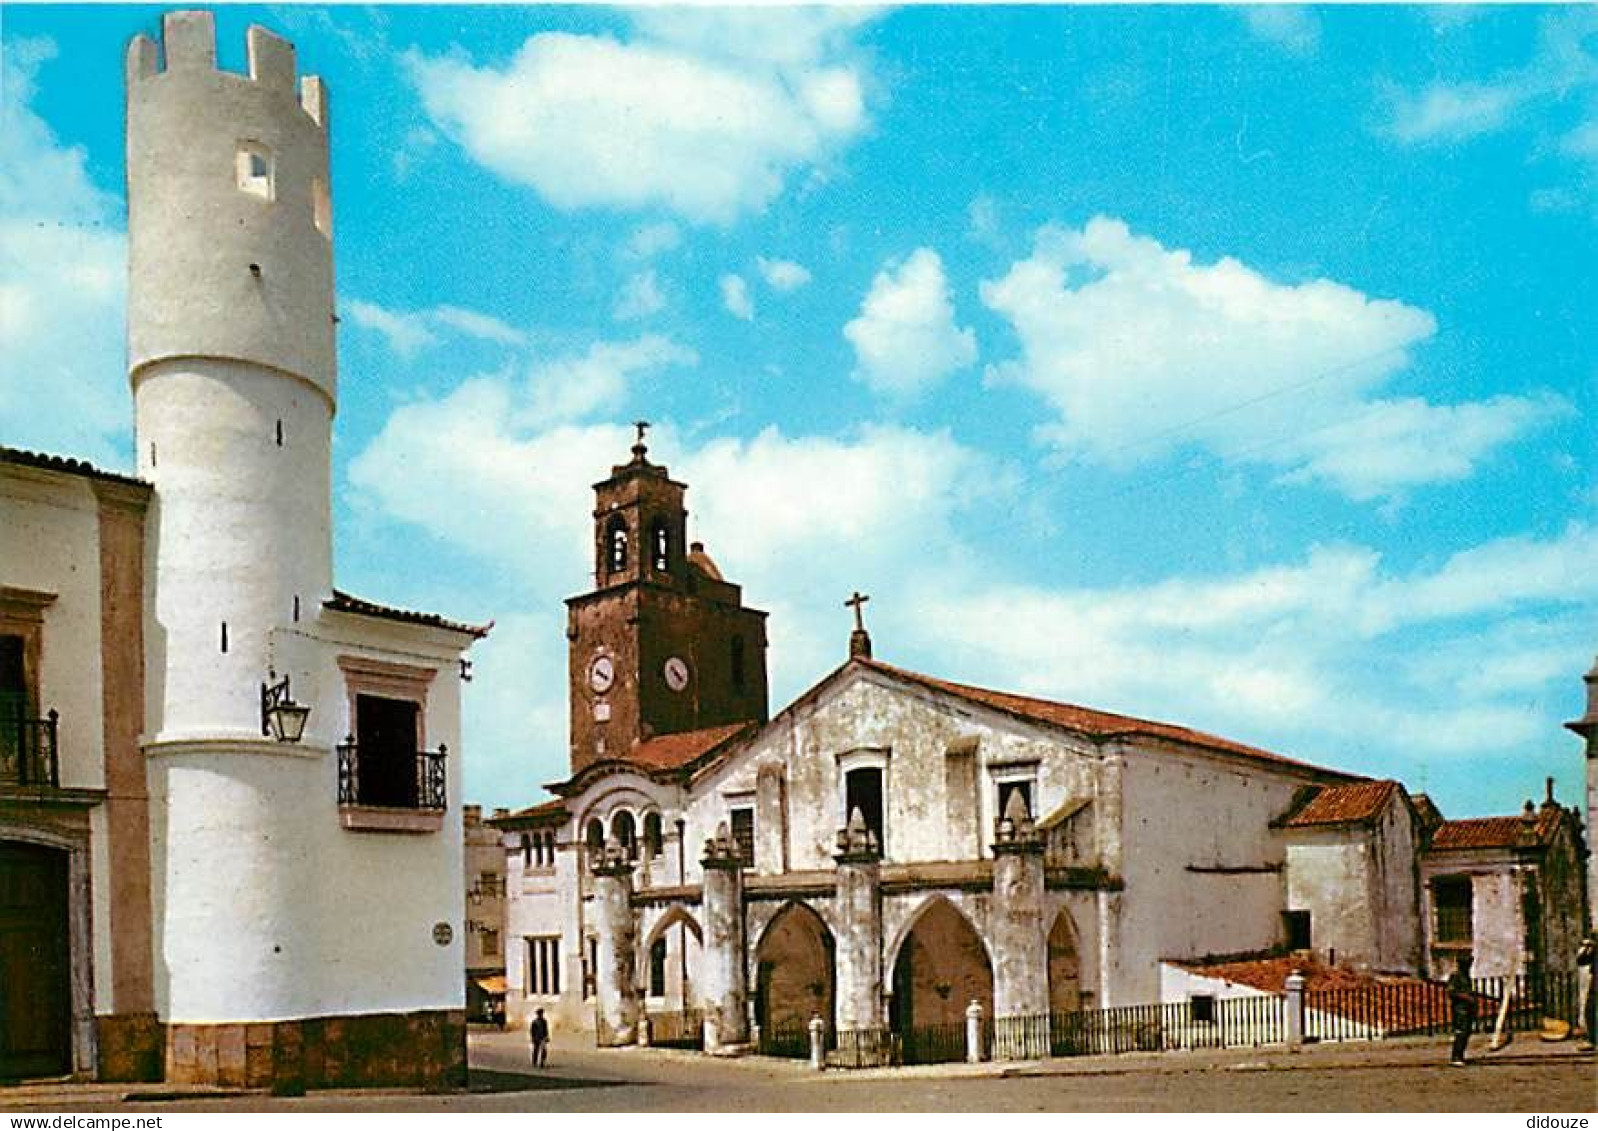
601	674
676	673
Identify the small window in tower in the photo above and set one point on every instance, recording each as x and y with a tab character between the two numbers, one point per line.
616	546
322	207
660	538
254	169
738	663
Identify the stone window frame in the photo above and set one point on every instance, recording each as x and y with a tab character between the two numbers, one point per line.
1013	771
878	758
387	679
744	800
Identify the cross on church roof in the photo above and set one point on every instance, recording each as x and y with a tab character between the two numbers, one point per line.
854	603
638	445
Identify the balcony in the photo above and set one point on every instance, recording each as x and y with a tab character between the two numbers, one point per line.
29	755
383	789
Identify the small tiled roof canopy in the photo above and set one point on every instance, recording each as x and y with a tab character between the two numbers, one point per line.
664	755
545	813
1098	724
1500	832
345	603
1341	805
66	466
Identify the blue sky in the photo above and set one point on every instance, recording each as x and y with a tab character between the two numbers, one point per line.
1234	367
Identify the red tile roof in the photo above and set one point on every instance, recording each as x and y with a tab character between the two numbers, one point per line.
1498	832
547	811
345	603
1388	1003
1099	724
674	751
1343	804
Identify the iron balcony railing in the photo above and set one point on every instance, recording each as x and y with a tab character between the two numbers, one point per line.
29	752
394	782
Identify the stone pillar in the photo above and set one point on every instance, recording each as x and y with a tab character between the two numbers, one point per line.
724	983
1018	937
973	1032
818	1042
616	1021
859	903
1295	1010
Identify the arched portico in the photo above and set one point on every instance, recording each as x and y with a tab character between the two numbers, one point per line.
1065	966
942	965
796	974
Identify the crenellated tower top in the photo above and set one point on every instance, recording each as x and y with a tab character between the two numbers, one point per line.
229	206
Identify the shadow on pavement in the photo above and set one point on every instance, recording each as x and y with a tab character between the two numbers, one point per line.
486	1080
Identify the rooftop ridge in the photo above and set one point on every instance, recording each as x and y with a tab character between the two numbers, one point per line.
1103	724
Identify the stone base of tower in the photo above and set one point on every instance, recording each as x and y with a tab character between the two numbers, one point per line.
426	1049
129	1048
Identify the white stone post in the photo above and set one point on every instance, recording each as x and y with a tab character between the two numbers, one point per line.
1295	1010
973	1032
616	996
818	1042
724	982
859	903
1020	945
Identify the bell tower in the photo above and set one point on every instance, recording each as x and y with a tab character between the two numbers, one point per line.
662	644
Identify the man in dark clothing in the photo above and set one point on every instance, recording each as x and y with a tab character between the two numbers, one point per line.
538	1033
1462	1009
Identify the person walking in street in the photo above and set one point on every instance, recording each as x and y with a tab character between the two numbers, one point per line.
1461	1008
538	1033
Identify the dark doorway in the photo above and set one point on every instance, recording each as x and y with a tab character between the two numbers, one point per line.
35	971
385	735
13	706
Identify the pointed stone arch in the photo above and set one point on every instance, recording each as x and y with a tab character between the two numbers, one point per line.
940	966
1065	965
796	971
676	962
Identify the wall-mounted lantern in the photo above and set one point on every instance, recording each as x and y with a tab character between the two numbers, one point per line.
281	717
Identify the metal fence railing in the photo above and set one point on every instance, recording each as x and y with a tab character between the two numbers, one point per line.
677	1029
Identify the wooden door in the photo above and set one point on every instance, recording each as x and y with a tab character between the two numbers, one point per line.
35	969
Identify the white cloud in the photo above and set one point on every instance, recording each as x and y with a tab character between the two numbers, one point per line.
1294	29
640	296
63	268
1140	350
597	380
408	333
905	338
1449	112
735	297
651	240
782	274
705	114
1282	654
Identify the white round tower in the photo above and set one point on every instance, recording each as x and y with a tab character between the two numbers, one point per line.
231	360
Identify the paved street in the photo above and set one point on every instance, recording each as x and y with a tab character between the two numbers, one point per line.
1528	1076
